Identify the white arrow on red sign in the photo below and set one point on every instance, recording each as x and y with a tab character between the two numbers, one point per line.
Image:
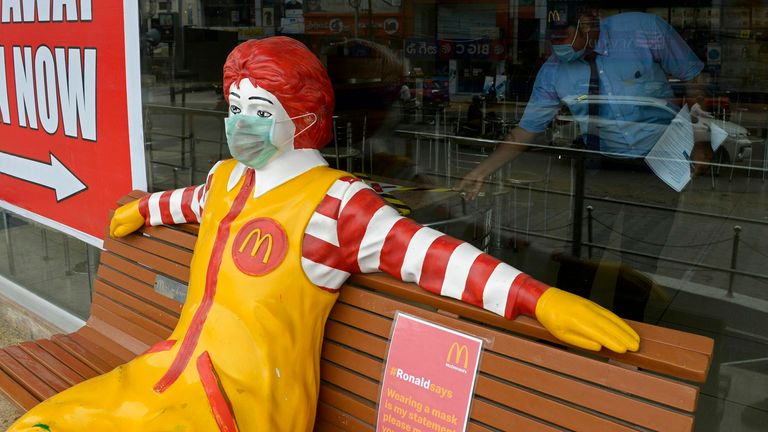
53	175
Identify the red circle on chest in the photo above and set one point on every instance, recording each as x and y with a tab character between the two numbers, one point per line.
259	246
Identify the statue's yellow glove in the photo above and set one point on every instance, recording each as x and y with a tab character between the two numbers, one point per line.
126	220
582	323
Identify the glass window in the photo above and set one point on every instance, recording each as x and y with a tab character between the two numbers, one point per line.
53	265
618	152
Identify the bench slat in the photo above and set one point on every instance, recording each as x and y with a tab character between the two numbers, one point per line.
330	418
16	393
346	335
82	368
147	259
162	320
351	404
177	237
136	275
507	420
36	386
38	369
130	322
82	354
52	363
357	384
100	351
324	426
578	393
138	280
110	343
106	322
138	295
365	365
168	251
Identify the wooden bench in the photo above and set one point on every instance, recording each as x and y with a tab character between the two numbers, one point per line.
527	381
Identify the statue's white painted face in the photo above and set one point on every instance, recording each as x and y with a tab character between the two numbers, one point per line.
245	98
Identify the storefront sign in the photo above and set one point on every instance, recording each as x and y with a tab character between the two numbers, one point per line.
453	49
429	377
346	6
325	25
420	48
70	111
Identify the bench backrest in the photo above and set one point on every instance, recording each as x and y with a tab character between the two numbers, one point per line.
524	383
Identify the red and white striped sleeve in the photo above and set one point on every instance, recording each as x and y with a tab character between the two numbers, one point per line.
177	206
354	231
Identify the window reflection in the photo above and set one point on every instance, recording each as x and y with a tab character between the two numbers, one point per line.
429	91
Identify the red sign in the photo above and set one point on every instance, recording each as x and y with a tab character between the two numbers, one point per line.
260	246
70	111
429	378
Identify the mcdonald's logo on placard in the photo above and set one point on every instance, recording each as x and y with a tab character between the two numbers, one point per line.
259	247
455	353
553	16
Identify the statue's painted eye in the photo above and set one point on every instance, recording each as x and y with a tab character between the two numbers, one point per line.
234	109
264	114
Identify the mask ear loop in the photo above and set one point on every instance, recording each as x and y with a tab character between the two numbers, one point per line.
576	33
303	130
310	125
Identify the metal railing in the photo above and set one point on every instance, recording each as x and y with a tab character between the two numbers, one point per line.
440	163
187	136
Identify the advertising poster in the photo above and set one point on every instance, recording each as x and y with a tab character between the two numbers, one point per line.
429	377
71	136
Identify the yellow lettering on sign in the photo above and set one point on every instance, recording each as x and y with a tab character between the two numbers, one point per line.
459	350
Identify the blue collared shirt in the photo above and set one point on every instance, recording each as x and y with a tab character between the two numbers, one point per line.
635	54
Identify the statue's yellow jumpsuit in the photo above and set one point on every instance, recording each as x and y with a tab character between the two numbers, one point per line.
255	339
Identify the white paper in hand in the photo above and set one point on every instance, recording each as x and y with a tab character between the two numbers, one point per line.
717	135
670	158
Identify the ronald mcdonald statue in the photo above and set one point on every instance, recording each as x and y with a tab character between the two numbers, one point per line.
280	232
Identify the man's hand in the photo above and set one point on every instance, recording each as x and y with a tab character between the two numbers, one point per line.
517	142
126	220
471	184
702	152
582	323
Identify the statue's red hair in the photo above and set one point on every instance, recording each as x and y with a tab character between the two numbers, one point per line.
287	69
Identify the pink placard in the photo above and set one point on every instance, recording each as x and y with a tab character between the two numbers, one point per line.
429	378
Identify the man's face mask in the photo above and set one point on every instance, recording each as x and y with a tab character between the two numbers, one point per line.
565	52
250	137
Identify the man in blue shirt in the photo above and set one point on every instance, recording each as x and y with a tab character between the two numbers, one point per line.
634	53
612	74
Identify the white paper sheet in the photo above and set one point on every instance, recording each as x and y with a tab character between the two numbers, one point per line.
670	157
717	135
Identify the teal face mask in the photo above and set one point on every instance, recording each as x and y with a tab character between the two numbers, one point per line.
565	52
250	138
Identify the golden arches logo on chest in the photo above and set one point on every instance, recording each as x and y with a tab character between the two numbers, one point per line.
259	246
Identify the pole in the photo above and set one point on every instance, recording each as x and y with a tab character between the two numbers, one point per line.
734	258
8	246
577	165
589	231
